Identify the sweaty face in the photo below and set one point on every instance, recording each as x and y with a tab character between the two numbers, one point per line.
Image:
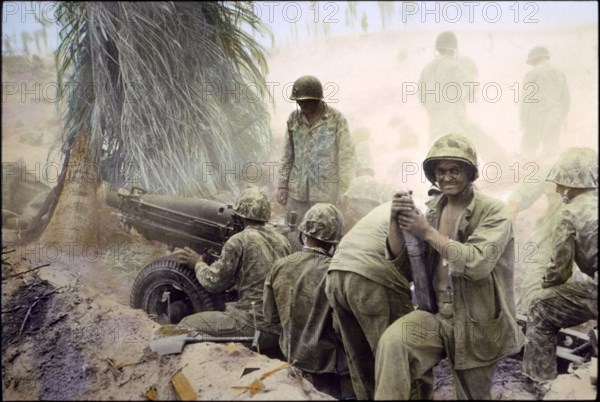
452	177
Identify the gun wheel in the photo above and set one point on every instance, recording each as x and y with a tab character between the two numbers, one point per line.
168	291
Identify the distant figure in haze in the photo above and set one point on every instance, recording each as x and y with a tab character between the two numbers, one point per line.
544	104
442	90
446	85
365	191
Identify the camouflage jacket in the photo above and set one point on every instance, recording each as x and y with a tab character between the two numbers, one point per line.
544	93
245	261
294	296
442	83
481	274
318	160
574	239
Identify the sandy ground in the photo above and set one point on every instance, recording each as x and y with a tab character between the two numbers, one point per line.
68	332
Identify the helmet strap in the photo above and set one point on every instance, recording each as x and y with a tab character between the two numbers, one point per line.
467	188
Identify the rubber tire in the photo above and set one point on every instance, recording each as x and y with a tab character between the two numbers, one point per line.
165	274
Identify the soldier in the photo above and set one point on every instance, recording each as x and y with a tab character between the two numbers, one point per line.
367	293
469	252
574	240
445	88
294	297
245	261
537	246
442	87
544	105
317	162
364	194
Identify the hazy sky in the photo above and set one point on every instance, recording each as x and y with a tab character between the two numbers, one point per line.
293	21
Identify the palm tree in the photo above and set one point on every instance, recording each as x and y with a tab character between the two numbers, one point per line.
386	10
161	95
26	38
351	13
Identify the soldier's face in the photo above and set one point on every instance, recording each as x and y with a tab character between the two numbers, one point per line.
452	177
308	106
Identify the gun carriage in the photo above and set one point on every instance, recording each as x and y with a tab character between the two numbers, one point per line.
166	289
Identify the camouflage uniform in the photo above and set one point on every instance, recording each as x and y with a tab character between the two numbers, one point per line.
574	240
543	108
367	293
317	163
294	296
475	325
537	250
244	263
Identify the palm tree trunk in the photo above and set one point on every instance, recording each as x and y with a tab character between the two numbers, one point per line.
75	219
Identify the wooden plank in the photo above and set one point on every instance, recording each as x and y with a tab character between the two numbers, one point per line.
182	387
594	371
566	354
576	334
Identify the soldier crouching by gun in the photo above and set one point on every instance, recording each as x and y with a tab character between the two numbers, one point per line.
245	261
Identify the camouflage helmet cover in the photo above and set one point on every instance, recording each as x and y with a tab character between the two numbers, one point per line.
253	203
324	222
453	147
537	53
307	87
576	168
446	40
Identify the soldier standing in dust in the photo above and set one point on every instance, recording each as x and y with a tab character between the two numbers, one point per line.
544	104
318	157
446	85
442	90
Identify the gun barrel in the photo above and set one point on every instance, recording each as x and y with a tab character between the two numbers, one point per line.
204	225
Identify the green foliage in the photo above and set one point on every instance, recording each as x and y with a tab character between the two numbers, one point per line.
150	80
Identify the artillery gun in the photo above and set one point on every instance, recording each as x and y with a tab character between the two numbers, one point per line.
165	289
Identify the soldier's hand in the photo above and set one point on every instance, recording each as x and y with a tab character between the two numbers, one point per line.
402	203
282	196
414	222
187	256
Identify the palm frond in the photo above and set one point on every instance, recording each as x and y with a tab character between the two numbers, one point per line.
143	75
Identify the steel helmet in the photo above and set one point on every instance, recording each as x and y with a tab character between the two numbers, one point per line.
537	53
324	222
307	87
253	203
451	147
576	168
446	40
